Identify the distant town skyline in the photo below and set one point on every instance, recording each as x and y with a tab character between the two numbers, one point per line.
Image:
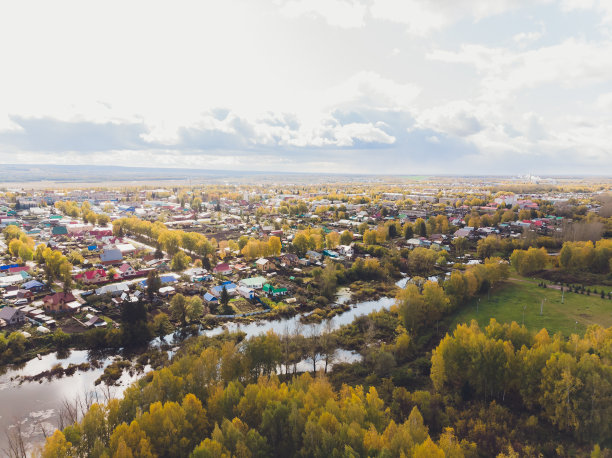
399	87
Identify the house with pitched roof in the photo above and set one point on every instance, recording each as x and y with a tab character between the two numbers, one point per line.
265	265
271	291
126	270
223	268
34	285
253	282
60	302
111	255
12	316
92	277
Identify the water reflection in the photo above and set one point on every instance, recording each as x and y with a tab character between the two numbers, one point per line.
36	405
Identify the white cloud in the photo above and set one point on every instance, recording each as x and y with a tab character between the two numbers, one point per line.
457	118
572	63
339	13
603	7
201	84
527	38
604	101
424	16
370	89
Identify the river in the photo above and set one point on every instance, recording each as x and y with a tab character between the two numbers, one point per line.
35	405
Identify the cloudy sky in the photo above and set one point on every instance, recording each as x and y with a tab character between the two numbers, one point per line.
349	86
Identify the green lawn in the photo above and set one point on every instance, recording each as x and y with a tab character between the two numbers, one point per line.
507	301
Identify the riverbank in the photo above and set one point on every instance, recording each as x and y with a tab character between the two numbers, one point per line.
37	405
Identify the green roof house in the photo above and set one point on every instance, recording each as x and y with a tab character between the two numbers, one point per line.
271	291
59	230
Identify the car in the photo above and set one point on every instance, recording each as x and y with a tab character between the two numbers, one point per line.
21	302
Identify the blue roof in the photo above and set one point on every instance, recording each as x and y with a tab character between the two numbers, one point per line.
33	284
163	278
9	266
228	286
209	297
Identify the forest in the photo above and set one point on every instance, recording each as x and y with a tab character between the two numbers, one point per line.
498	391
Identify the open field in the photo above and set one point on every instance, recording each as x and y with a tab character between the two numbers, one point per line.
575	314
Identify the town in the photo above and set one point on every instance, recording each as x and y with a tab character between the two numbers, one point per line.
104	268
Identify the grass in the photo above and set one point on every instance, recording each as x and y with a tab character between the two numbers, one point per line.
574	315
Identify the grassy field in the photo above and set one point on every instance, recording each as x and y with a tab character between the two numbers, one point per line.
575	314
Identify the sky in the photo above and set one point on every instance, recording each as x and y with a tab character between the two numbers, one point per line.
332	86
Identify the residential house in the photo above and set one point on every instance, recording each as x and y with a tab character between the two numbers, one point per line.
290	259
347	251
253	282
161	265
313	256
210	298
463	232
24	294
12	316
9	280
222	268
229	287
415	242
265	265
437	238
271	291
125	248
114	290
166	291
60	302
111	255
246	292
59	230
92	277
34	286
197	274
126	270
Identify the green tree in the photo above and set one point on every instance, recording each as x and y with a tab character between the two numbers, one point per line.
300	244
179	309
346	238
224	301
180	261
411	306
195	308
420	227
161	325
153	283
460	244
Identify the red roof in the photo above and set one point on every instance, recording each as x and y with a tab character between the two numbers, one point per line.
59	298
18	269
91	274
222	267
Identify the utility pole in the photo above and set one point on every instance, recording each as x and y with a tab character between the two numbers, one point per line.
542	306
